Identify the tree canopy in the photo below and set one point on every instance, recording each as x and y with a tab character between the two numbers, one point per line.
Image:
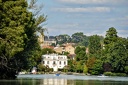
94	45
18	39
115	52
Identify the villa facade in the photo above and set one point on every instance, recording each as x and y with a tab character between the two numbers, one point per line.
55	61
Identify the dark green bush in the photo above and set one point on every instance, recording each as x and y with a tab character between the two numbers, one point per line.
114	74
126	69
120	74
109	74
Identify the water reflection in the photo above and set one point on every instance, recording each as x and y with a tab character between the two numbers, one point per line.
54	82
51	79
60	82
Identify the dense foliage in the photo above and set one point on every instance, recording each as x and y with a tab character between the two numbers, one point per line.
79	38
109	54
116	51
19	47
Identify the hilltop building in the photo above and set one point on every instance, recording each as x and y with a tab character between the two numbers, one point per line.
48	41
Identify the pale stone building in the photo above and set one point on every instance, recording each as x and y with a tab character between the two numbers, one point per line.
66	48
59	49
55	61
69	49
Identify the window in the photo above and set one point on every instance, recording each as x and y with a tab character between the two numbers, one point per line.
64	63
54	62
43	62
60	62
47	62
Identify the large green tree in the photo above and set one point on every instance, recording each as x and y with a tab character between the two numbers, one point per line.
80	39
95	46
13	21
115	52
111	37
97	68
80	54
80	58
118	56
64	38
18	41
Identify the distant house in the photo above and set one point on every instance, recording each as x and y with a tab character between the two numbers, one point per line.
46	41
66	48
49	41
59	49
70	49
50	47
54	61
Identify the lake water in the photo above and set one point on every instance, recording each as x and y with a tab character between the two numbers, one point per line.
51	79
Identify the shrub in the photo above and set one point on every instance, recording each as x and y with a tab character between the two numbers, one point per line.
114	74
120	74
85	69
126	69
109	74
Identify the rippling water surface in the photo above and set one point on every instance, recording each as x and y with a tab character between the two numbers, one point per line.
51	79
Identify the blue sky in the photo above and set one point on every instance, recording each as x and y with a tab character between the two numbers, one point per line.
88	16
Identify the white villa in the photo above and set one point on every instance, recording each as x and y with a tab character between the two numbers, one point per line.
55	61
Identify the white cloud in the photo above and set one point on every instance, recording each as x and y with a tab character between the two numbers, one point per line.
67	25
88	9
123	33
91	1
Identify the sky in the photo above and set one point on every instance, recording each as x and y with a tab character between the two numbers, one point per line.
88	16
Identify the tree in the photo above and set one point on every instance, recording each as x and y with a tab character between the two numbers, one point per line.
126	69
95	46
79	67
71	65
80	54
77	50
18	39
111	36
41	67
80	39
77	37
90	63
47	51
61	39
115	52
118	56
85	69
97	68
13	21
32	51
